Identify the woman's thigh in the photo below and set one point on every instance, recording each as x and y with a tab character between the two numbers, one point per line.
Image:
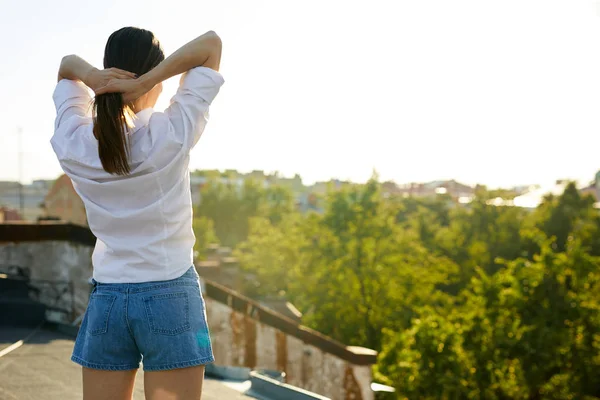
108	385
174	384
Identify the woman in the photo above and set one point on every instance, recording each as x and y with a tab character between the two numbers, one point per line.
129	165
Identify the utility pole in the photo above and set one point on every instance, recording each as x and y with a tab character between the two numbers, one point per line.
21	198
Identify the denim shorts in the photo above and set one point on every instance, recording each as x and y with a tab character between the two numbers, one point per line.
162	324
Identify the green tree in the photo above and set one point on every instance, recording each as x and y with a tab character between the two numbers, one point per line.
274	253
480	234
205	234
427	361
462	301
529	331
280	203
566	217
363	270
231	205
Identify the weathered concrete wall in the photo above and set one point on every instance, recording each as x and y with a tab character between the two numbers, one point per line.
243	341
55	261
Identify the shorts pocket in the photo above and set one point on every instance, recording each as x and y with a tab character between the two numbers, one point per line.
169	313
99	312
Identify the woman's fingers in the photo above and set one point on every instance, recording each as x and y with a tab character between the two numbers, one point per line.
101	90
115	85
122	73
121	83
123	77
111	87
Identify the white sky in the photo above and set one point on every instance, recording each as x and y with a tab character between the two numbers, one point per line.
500	92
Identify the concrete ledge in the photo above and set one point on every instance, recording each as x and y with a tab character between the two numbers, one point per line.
14	231
230	373
244	305
263	386
240	373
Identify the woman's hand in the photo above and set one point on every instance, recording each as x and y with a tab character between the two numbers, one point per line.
75	68
96	79
131	89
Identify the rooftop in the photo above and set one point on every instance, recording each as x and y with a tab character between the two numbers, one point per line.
44	271
41	368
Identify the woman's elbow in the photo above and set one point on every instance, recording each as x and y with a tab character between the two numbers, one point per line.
214	39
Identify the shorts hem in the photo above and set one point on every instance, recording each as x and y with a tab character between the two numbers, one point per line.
105	367
185	364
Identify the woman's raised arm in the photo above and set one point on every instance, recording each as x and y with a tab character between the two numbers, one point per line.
77	69
203	51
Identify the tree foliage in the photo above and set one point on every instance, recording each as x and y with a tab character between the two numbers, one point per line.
231	206
468	301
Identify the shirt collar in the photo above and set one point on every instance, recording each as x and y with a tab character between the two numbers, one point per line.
141	119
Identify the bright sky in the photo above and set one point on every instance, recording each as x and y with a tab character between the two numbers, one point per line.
500	92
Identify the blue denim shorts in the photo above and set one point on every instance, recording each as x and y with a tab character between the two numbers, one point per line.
162	324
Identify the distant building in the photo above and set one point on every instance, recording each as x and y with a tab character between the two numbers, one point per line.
199	179
308	202
13	195
295	183
389	187
64	203
591	190
522	189
535	196
9	214
8	185
324	187
42	184
452	188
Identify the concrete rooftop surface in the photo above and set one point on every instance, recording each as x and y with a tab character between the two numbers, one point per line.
41	369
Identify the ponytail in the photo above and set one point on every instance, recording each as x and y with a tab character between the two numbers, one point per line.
110	122
137	51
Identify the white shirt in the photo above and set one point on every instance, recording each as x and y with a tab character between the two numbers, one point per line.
142	221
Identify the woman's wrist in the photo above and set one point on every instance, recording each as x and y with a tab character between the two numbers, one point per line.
75	68
193	54
87	76
151	78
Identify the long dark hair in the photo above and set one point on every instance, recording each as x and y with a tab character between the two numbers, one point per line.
134	50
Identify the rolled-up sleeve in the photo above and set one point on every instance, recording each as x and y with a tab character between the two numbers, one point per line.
188	111
71	98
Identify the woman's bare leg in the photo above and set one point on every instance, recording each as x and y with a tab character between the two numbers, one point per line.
108	385
175	384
